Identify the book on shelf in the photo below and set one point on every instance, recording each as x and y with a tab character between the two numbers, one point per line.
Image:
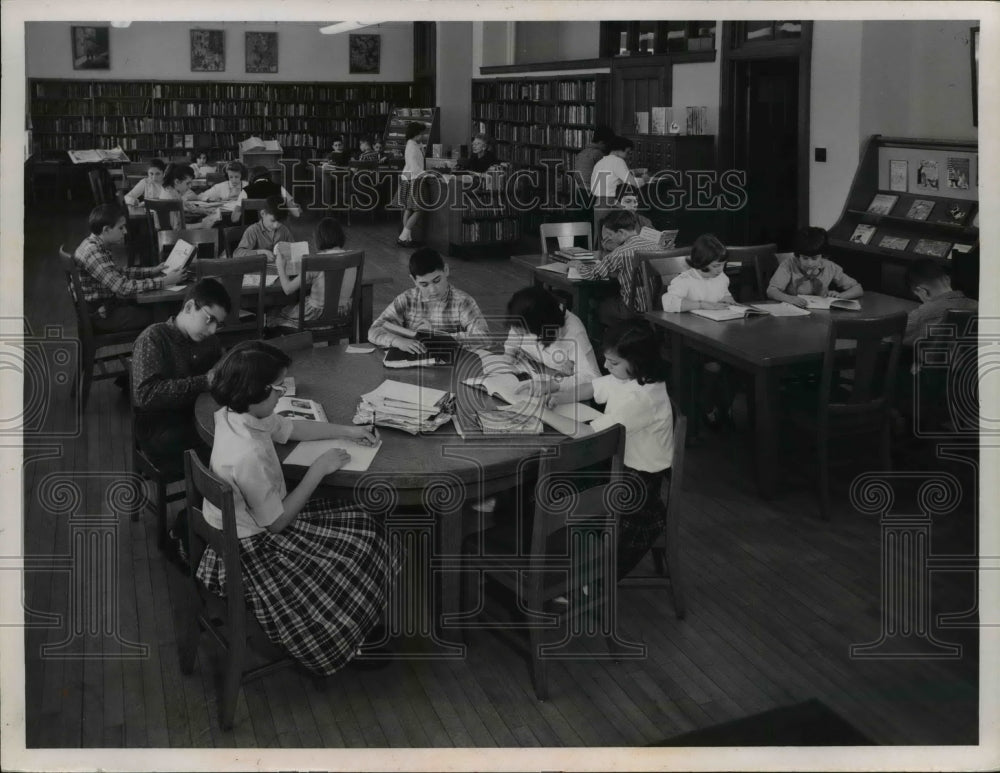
179	256
956	213
823	302
863	233
98	156
920	209
299	408
898	174
883	203
308	451
732	312
894	243
933	248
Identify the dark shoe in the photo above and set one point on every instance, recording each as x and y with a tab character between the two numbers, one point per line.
406	244
712	420
177	554
121	381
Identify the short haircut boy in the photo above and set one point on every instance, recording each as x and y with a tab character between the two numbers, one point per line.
810	241
177	173
275	205
639	345
329	234
620	218
706	250
104	216
425	261
619	143
245	375
208	292
539	311
238	167
925	272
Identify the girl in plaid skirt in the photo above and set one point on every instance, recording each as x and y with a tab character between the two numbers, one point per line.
409	181
316	572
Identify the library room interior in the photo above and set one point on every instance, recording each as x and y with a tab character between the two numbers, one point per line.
636	362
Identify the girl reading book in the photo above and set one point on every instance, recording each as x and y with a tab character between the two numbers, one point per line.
316	572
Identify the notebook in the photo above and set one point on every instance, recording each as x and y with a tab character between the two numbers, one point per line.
308	451
733	312
817	302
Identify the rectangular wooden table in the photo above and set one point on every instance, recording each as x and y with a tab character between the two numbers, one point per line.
165	302
763	347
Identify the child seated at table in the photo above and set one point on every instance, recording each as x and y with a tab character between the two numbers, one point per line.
229	190
262	237
261	186
930	283
704	285
634	394
365	151
150	187
177	185
329	238
202	168
552	340
807	272
432	304
316	572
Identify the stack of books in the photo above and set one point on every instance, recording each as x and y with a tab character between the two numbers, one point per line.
575	253
410	407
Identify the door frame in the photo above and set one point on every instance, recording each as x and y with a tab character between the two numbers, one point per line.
732	51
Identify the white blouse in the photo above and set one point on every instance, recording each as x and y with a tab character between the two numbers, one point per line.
694	286
569	355
644	410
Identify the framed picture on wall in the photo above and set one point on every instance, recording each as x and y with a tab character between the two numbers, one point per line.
262	51
208	50
91	48
365	53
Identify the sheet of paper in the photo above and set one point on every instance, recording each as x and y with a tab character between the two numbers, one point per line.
558	268
413	394
574	273
360	348
308	451
781	309
175	288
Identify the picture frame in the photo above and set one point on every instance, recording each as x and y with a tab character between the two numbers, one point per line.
974	57
365	52
262	52
91	48
208	50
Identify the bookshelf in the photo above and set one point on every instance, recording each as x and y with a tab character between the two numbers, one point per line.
476	215
394	138
533	120
160	118
917	219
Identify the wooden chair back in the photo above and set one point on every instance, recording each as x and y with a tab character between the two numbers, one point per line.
228	620
231	273
73	285
341	275
232	236
205	240
250	210
965	271
565	234
656	270
759	262
159	213
102	186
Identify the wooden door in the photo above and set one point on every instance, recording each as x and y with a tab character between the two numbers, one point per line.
637	88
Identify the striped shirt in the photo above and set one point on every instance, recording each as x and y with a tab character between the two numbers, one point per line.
101	279
457	312
621	264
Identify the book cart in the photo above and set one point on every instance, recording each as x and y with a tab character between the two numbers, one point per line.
910	199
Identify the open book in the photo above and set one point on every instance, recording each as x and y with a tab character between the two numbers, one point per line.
179	256
293	252
299	408
781	309
733	312
558	268
504	386
252	144
97	156
818	302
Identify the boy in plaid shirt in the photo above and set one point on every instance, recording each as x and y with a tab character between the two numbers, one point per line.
432	304
109	289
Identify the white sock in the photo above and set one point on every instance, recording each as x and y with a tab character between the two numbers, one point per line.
405	236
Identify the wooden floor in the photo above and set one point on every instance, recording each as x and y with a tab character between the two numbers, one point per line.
775	599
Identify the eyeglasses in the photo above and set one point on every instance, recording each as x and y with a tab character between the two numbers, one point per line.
210	320
279	388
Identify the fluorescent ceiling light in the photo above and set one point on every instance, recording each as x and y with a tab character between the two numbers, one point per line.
121	24
344	26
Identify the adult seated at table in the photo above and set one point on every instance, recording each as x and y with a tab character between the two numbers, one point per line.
623	236
613	170
432	305
482	157
109	289
171	365
587	158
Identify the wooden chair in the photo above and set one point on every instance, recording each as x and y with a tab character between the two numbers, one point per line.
337	272
666	550
231	237
158	211
90	342
965	271
240	323
557	563
250	210
758	261
205	240
229	621
103	187
565	234
850	409
948	374
161	477
656	269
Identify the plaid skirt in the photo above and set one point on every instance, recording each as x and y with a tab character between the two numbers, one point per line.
639	528
319	586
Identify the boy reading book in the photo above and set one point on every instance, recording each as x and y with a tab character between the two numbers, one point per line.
807	272
931	284
432	304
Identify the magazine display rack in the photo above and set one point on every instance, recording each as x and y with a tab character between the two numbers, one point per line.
910	199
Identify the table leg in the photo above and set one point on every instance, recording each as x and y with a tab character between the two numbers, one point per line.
365	314
766	430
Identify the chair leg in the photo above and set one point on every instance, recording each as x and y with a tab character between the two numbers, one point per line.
659	560
187	647
87	369
539	669
231	686
676	586
824	482
161	515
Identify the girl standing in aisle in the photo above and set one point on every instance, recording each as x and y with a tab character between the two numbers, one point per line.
413	167
316	572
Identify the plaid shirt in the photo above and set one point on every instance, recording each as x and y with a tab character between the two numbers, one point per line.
101	279
621	264
457	312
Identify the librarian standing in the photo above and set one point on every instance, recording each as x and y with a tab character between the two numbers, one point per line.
408	199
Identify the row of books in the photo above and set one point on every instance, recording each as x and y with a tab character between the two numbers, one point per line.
305	92
574	114
952	212
60	125
567	90
61	107
543	135
483	231
535	156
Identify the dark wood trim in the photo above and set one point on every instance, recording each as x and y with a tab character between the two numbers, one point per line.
570	64
805	91
680	57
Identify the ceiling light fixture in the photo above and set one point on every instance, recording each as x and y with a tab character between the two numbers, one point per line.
121	24
344	26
